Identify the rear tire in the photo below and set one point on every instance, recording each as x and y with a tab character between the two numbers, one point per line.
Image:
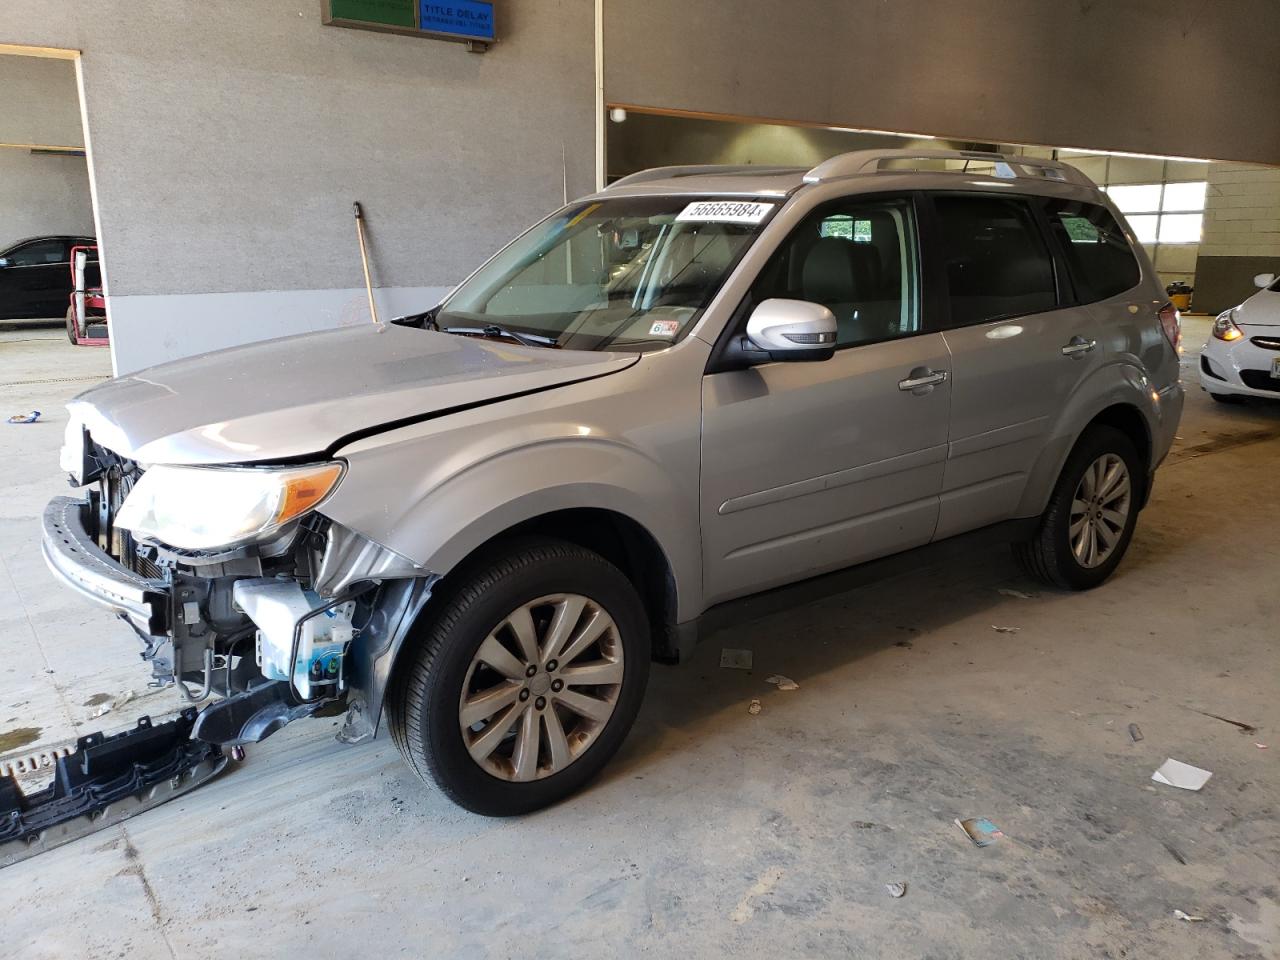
1233	399
1087	525
486	663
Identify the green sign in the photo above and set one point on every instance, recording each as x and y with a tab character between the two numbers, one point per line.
461	21
392	13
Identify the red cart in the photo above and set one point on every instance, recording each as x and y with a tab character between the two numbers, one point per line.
87	314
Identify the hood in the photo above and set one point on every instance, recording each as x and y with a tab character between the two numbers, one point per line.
1260	310
301	395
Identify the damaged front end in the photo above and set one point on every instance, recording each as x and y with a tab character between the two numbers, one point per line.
299	613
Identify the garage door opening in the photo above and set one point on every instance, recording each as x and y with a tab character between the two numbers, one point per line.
50	277
1209	227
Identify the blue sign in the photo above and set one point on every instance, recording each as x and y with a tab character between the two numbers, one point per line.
466	18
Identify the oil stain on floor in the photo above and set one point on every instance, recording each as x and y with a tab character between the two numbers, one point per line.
18	737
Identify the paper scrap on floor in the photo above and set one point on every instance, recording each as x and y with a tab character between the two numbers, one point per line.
1184	776
980	830
783	683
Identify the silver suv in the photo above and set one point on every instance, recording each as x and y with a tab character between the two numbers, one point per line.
485	520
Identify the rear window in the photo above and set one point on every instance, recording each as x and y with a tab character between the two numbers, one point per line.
998	264
1101	262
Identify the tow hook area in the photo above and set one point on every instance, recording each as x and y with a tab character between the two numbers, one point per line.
103	781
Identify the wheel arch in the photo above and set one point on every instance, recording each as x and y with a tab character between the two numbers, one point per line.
620	539
1124	407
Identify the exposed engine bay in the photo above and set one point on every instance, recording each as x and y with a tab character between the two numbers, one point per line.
275	629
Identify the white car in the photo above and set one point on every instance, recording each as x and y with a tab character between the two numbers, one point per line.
1242	356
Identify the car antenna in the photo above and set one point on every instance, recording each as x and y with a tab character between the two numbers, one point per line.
364	258
564	173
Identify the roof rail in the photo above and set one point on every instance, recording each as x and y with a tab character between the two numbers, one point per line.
1007	165
705	169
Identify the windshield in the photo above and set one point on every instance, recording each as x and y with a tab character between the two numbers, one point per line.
620	274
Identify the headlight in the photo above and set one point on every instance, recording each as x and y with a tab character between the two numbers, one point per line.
203	508
1224	328
71	456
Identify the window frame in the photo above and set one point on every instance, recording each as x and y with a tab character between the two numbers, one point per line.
1064	288
737	323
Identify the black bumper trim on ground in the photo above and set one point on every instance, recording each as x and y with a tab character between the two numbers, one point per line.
77	561
107	779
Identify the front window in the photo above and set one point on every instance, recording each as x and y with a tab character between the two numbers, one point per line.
620	274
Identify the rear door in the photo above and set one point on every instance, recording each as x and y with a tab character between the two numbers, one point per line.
808	467
1018	347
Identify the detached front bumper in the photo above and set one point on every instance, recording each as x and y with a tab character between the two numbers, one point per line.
77	561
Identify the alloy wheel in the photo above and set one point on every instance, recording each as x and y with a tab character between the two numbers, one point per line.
541	687
1100	510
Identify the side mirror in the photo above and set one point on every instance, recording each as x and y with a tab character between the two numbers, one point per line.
792	330
1262	280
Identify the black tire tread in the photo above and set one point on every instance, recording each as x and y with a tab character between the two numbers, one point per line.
407	696
1039	556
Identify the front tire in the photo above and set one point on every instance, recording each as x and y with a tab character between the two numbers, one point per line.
526	679
1086	528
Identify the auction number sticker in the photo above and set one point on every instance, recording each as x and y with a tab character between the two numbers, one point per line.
724	211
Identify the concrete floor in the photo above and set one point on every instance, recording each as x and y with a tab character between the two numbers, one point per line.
717	833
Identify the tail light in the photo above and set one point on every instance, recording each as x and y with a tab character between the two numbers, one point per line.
1171	324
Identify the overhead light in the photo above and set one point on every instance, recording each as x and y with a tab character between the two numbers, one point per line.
884	133
618	114
1133	156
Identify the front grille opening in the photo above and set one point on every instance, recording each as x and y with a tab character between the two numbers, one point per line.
1260	380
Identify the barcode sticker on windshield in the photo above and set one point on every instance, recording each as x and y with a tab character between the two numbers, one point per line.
724	211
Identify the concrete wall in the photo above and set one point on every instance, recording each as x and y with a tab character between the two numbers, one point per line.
1241	234
1178	77
647	140
229	138
41	193
38	102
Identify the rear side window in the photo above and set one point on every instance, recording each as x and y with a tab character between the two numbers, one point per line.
1101	262
39	253
997	262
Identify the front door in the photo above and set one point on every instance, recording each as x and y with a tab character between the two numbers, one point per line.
809	467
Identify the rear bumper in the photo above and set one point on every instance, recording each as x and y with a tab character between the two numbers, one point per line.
77	561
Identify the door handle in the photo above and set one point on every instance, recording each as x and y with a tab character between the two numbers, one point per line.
923	378
1077	346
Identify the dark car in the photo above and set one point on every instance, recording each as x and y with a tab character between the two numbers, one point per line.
35	277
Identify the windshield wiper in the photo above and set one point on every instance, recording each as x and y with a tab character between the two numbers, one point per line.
493	331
